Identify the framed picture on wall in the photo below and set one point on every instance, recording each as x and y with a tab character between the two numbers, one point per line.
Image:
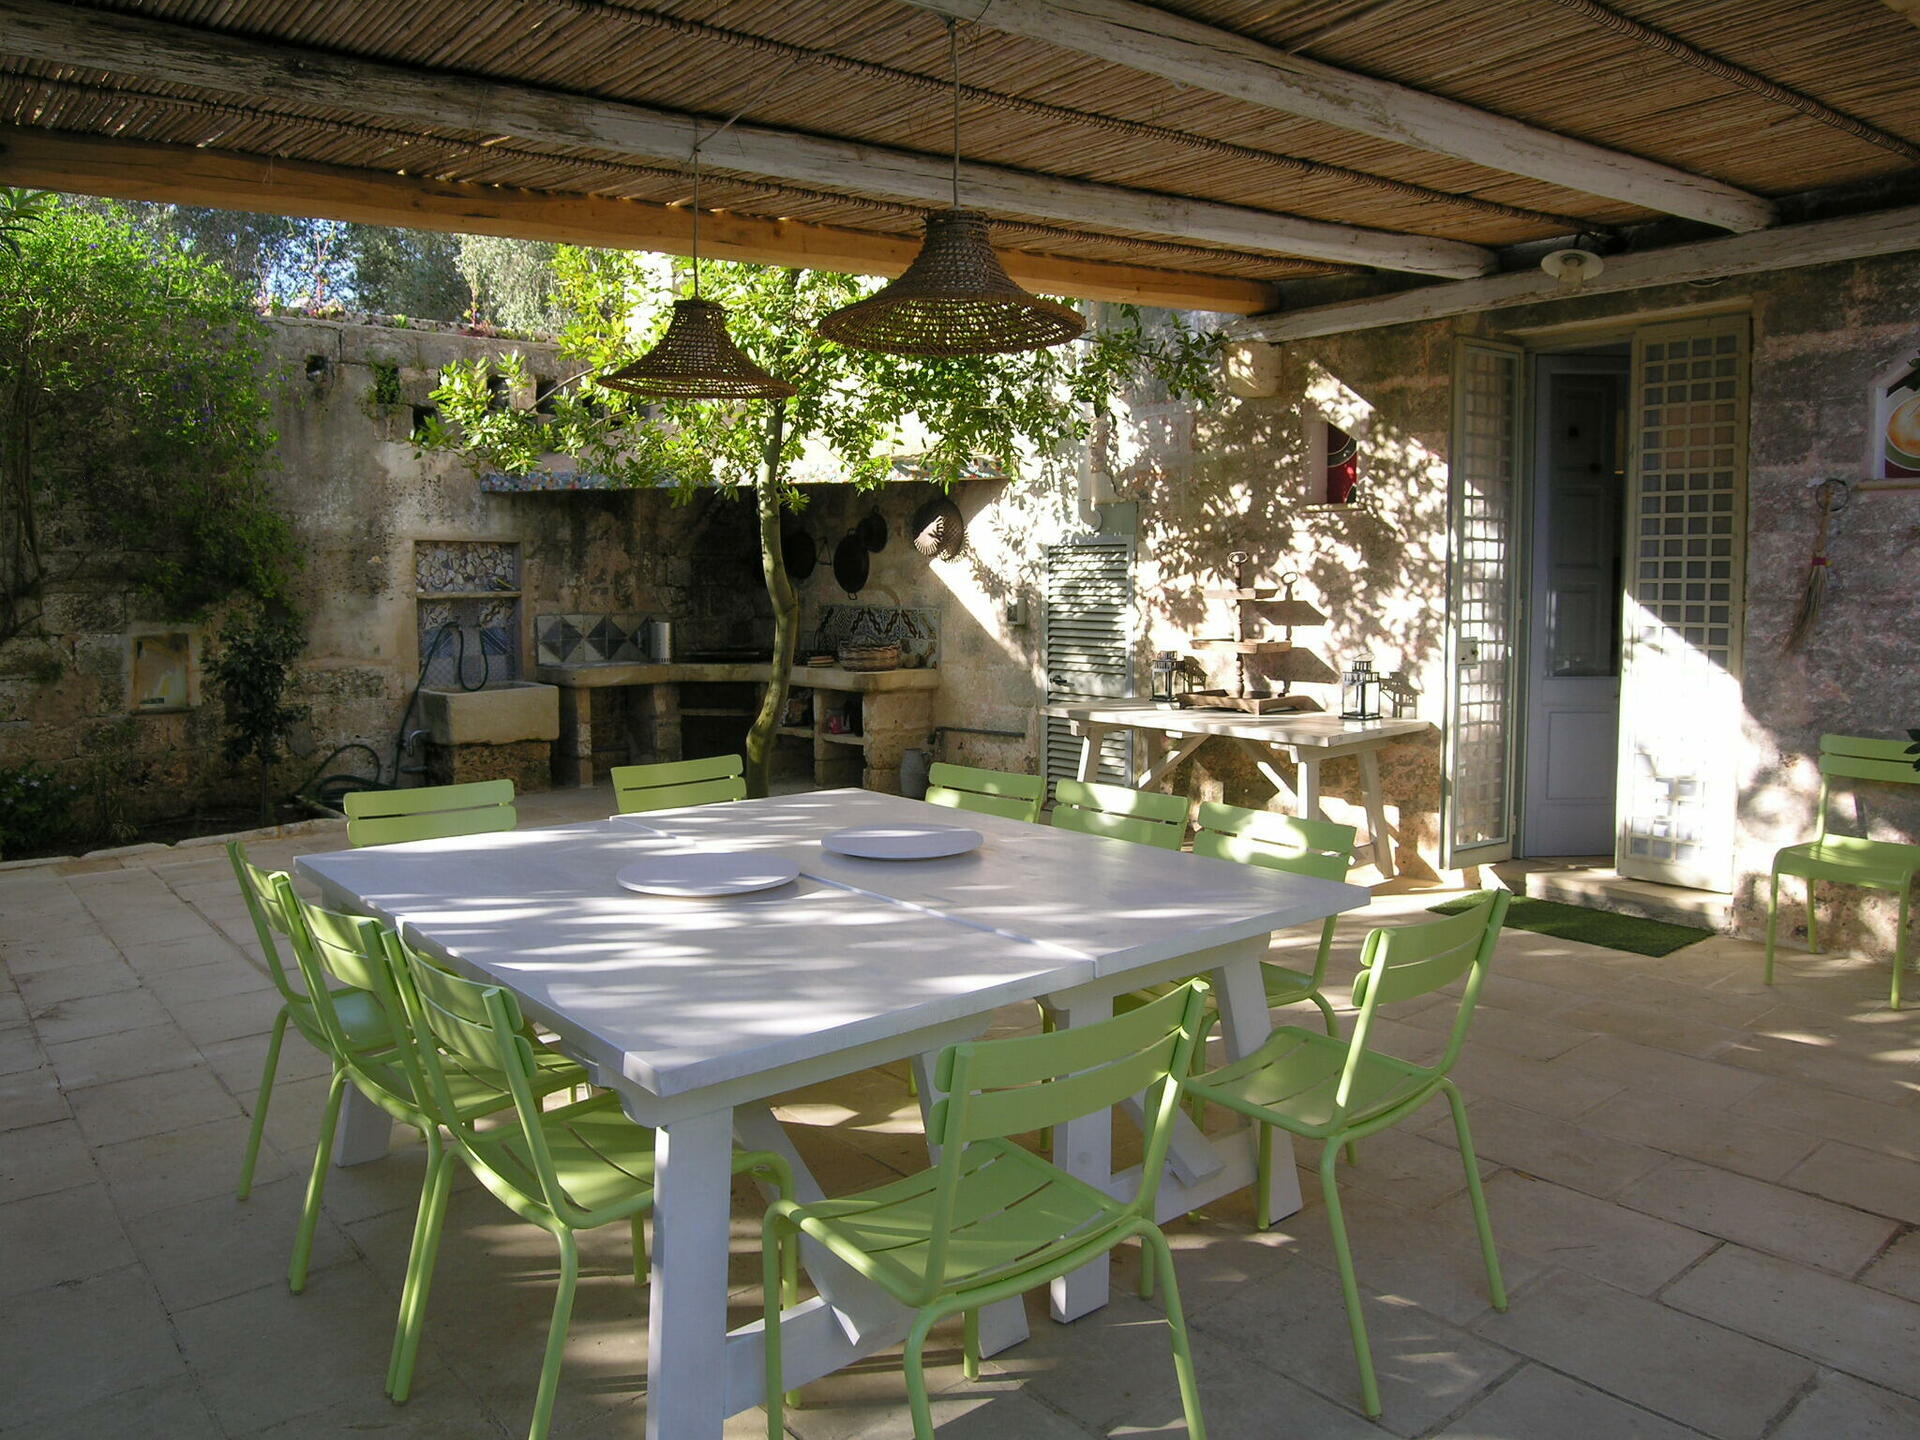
1895	441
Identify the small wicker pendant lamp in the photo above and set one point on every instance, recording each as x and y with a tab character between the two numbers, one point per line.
696	359
956	298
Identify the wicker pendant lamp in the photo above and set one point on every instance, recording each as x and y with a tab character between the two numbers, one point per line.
956	298
697	359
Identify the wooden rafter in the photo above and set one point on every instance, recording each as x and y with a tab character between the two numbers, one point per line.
1124	32
1818	242
206	61
185	175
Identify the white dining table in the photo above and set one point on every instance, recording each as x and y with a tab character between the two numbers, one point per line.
698	1013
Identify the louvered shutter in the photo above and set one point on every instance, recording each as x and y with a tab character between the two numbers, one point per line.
1089	622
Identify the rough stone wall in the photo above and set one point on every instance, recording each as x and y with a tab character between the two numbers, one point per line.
359	497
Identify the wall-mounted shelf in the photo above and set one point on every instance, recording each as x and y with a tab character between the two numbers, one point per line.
1259	592
1243	647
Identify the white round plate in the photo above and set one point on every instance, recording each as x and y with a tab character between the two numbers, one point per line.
707	873
902	842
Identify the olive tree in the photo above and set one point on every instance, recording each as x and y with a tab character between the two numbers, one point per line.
852	406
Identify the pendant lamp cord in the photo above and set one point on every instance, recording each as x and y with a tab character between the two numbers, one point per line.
953	60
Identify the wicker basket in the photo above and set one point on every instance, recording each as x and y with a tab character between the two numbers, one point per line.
869	657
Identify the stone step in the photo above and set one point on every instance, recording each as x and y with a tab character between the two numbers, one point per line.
1601	887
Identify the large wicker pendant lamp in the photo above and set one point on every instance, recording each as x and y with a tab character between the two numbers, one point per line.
956	298
696	359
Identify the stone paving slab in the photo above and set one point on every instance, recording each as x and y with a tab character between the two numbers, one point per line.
1703	1190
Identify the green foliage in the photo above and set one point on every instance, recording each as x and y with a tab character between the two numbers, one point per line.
251	671
111	773
512	283
386	383
20	211
134	400
36	808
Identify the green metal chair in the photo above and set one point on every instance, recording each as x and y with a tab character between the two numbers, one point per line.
429	812
669	786
1317	848
353	950
1145	817
987	792
1851	859
363	1025
1334	1091
577	1167
991	1220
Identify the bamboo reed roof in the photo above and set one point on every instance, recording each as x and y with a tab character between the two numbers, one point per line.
1544	62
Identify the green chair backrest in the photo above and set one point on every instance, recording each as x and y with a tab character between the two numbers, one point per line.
1855	757
351	950
1408	961
677	783
997	1088
269	916
1319	848
1146	817
481	1027
986	792
430	812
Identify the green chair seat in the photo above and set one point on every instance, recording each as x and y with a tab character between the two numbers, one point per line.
1851	859
1011	1211
364	1024
385	1081
1297	1073
602	1161
1877	864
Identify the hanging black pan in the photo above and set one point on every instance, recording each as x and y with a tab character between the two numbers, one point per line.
850	563
873	530
800	552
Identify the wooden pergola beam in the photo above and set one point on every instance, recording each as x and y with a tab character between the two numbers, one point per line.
184	175
1818	242
223	64
1141	37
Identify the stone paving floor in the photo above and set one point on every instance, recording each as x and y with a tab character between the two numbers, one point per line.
1706	1193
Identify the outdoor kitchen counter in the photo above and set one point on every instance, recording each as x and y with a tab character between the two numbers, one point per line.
895	706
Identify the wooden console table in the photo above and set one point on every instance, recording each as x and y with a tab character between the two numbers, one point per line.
896	711
1307	739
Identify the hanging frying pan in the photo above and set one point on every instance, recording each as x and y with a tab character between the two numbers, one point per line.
872	530
800	553
850	563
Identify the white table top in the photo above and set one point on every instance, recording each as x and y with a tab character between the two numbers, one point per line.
1311	729
1113	903
675	995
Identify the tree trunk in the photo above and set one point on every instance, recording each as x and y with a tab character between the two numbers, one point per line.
786	608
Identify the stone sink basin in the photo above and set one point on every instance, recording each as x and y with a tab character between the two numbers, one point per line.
500	714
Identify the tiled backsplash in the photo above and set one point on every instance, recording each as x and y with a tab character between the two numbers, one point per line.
916	631
589	639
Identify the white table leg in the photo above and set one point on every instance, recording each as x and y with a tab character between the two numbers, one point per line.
1159	769
1263	762
1245	1023
1377	831
365	1131
687	1325
1091	736
1083	1147
1309	793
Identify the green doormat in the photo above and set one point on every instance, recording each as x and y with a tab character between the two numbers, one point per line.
1590	927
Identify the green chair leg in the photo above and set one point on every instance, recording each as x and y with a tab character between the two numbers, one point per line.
970	1345
258	1128
1349	1282
1262	1170
556	1337
1496	1285
1146	1272
421	1263
773	1292
1900	943
914	1362
1152	1239
316	1183
1773	926
1326	1014
1813	920
638	1225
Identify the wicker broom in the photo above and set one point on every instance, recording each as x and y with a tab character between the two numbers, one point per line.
1816	591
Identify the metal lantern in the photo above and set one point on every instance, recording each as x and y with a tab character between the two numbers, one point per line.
1171	677
955	298
1360	692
